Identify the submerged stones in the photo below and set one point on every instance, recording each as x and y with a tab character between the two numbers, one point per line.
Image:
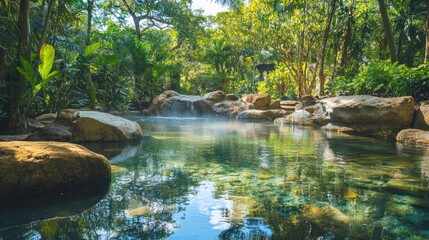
32	167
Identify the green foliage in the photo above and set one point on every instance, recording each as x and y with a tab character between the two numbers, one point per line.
386	79
47	56
91	49
279	83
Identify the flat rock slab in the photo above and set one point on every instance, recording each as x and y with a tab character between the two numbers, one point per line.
34	167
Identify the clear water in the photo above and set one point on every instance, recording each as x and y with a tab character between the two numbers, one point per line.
196	178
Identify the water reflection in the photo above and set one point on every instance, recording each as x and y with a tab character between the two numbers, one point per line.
54	205
252	229
204	179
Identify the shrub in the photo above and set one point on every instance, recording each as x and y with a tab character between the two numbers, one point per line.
386	80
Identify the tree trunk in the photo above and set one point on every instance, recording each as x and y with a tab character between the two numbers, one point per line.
137	27
19	106
427	36
46	24
344	49
24	30
321	76
388	30
89	9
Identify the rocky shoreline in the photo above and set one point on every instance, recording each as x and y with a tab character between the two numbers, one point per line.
43	162
364	115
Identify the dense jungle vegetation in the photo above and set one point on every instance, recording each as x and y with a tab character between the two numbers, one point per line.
119	54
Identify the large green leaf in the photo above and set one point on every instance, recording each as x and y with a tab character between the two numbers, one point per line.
91	49
47	56
27	71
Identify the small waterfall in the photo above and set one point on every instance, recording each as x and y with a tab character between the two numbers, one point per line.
191	108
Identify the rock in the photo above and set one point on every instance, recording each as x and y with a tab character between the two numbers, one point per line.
300	117
34	125
333	128
288	108
413	136
288	103
229	108
312	109
46	118
257	101
32	167
215	97
67	116
171	103
159	101
269	115
97	126
263	176
308	100
52	132
275	104
382	117
328	214
21	137
422	116
140	211
231	97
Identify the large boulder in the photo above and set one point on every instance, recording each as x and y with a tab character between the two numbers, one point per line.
230	108
413	136
97	126
422	116
215	97
382	117
32	167
257	101
88	126
254	114
161	102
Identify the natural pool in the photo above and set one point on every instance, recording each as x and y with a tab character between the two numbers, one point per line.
193	178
